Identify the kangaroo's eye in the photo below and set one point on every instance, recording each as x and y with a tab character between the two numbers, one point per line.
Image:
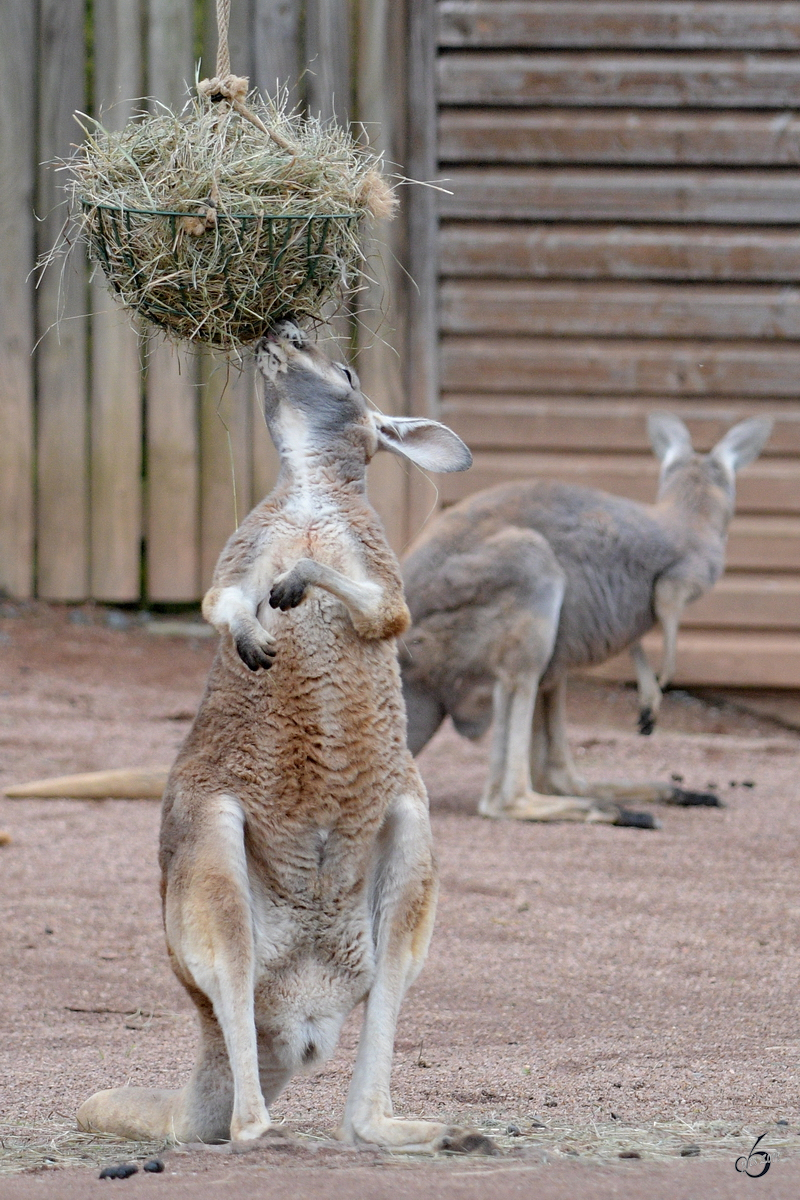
348	374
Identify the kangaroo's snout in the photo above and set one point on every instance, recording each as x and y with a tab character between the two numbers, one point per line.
287	331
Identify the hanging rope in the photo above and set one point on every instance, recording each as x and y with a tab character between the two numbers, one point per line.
233	88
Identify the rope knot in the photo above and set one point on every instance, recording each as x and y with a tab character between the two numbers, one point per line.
232	88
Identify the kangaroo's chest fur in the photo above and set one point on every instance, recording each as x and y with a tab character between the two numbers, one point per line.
313	748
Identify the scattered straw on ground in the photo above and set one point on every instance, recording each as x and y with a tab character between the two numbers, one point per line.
659	1141
59	1144
207	227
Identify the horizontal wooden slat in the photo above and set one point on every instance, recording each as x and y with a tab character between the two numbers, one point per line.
764	543
646	138
707	658
619	252
576	365
767	486
621	80
620	310
635	24
739	601
609	425
583	194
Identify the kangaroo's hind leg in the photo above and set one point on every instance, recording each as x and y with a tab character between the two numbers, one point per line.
209	925
560	775
403	905
525	633
402	901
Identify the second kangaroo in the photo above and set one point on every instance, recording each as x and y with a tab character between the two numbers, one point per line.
518	585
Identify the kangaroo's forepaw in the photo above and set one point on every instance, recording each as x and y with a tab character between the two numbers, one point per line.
256	650
287	591
647	721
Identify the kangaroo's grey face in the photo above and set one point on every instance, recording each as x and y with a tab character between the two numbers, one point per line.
304	388
313	403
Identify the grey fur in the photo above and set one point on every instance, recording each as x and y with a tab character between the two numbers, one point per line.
516	586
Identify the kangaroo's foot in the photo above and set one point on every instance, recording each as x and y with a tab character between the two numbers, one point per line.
686	799
637	820
653	793
647	721
415	1137
534	806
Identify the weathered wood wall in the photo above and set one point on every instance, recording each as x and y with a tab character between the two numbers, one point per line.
125	465
621	237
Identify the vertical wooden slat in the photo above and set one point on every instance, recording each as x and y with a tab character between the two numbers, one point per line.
381	355
173	544
116	404
422	379
225	457
62	300
172	524
17	63
276	46
328	49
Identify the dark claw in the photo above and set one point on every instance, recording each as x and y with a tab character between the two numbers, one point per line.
287	594
647	721
469	1143
686	799
637	820
255	657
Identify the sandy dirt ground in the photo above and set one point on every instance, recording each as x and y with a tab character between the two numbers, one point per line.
590	992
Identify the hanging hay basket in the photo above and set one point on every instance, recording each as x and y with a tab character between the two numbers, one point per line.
212	226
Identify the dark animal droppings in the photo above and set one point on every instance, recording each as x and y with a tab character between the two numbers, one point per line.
154	1165
123	1171
629	1154
690	1151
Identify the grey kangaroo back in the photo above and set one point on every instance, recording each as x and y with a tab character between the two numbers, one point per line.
516	586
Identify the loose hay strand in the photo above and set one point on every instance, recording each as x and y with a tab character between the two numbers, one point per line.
212	231
37	1147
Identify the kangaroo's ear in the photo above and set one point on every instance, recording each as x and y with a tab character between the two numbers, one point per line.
430	445
743	443
669	438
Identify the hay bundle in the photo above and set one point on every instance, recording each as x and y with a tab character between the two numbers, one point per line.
218	221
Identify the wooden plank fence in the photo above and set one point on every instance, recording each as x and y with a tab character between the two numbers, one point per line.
620	235
125	464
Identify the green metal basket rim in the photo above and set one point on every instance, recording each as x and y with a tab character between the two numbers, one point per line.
165	212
